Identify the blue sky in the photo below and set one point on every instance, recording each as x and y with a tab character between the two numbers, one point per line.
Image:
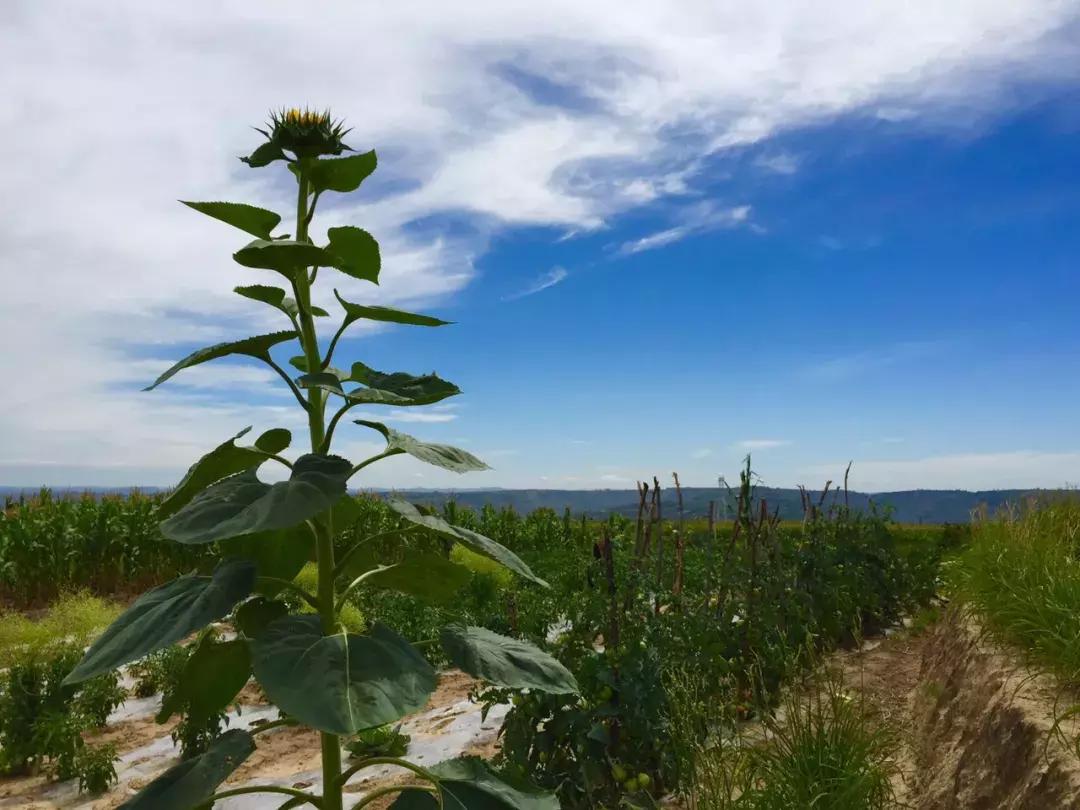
664	245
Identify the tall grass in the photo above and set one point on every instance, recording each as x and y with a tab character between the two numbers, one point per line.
75	618
1021	574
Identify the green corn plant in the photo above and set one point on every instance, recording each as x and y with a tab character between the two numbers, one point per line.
314	670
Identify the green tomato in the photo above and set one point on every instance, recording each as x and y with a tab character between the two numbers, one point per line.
644	780
606	693
631	785
618	772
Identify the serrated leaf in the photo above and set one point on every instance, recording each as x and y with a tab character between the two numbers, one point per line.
249	218
285	256
429	577
343	683
278	554
473	541
399	388
210	680
277	298
356	312
504	661
440	455
356	252
254	615
224	460
341	174
242	504
469	783
258	347
264	155
164	616
193	781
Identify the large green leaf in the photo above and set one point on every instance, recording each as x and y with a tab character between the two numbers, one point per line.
356	252
242	504
211	679
399	388
427	576
414	390
286	256
264	155
254	615
468	538
164	616
441	455
277	298
470	783
256	221
357	312
505	661
194	781
342	683
279	554
257	347
222	461
341	174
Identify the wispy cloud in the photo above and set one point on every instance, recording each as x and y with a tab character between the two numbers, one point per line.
778	162
555	275
696	219
701	452
434	415
848	366
763	444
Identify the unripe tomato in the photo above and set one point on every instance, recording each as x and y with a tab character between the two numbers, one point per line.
644	780
630	785
618	772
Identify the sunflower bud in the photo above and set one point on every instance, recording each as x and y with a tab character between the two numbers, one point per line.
307	133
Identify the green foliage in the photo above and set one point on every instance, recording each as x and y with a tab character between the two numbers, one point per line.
75	618
110	544
381	741
41	721
1021	575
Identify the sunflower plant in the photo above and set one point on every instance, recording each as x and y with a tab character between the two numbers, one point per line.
314	670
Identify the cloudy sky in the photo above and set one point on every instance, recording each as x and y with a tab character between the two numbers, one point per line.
670	233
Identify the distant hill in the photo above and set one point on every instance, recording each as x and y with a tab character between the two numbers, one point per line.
910	506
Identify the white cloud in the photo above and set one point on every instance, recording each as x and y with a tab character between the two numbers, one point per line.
696	219
129	105
555	275
1005	470
701	452
778	162
762	444
434	415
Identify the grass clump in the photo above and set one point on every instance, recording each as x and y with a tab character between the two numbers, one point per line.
1021	574
75	618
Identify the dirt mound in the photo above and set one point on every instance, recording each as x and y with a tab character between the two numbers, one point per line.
984	728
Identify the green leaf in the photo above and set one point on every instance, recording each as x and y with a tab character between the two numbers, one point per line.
423	390
357	312
257	347
224	460
286	256
264	155
254	615
341	174
471	540
505	661
277	298
211	679
356	252
441	455
278	554
194	781
425	575
399	388
242	504
164	616
469	783
257	221
342	683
